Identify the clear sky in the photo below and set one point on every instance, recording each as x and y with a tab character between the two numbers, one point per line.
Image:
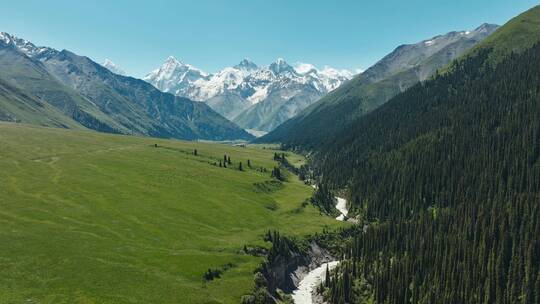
212	34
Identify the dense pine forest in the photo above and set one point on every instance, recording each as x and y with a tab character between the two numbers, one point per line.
447	177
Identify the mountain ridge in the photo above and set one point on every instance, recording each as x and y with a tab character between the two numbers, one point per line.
236	91
407	65
102	100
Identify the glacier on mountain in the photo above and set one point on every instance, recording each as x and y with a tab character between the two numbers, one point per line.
252	96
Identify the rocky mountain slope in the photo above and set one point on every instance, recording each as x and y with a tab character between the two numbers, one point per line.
396	72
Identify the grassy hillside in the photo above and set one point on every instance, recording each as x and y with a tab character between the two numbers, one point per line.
518	34
96	218
18	106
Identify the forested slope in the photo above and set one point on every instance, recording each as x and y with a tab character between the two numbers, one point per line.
447	178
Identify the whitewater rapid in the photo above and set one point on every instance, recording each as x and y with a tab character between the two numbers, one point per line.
303	295
342	207
307	286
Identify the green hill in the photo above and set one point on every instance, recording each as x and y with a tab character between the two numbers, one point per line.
518	34
97	218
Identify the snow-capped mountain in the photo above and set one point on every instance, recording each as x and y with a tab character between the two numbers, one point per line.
61	88
111	66
254	97
25	46
176	77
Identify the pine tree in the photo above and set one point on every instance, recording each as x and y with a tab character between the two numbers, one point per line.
229	160
240	167
276	173
537	288
327	277
195	152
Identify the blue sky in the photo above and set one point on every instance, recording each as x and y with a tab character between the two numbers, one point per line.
212	34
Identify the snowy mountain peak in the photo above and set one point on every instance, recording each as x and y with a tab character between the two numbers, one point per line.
281	66
111	66
305	68
172	61
174	73
5	37
246	65
335	73
25	46
233	90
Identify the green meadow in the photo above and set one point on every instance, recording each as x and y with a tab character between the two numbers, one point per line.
87	217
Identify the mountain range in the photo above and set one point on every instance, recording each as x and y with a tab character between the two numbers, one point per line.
301	105
405	66
45	86
253	97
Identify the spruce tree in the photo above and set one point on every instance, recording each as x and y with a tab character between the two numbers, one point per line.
276	173
327	277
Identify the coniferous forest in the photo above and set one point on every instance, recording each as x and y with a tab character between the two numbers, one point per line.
447	179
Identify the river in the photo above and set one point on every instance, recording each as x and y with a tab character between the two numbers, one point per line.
304	293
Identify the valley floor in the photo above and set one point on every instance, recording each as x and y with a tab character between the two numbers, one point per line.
96	218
